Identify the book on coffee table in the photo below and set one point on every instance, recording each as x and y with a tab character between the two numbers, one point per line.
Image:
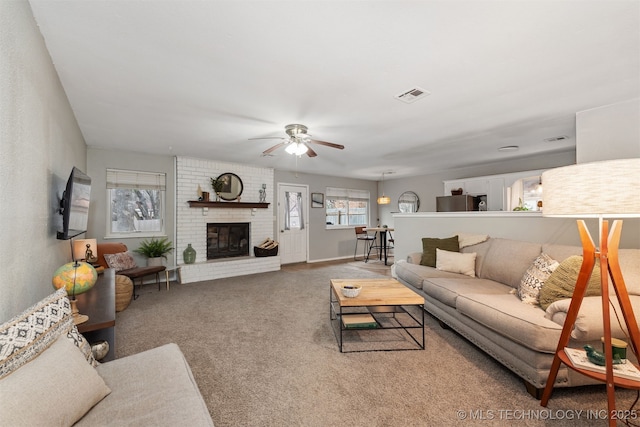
580	360
359	321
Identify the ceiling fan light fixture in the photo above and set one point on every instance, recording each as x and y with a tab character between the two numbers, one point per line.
296	148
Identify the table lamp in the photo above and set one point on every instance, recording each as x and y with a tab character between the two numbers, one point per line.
85	250
606	189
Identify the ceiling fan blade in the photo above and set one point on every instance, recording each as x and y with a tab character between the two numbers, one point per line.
328	144
268	137
310	152
274	148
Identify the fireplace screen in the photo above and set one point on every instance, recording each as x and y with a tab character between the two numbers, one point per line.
226	240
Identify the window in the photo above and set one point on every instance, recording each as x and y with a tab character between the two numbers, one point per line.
293	211
136	202
346	207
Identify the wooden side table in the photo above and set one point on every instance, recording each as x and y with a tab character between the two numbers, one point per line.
99	303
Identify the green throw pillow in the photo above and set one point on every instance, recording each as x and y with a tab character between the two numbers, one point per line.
429	246
562	282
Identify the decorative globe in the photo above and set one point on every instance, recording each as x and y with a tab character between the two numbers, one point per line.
82	274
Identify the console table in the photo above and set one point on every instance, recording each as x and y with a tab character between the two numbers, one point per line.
99	303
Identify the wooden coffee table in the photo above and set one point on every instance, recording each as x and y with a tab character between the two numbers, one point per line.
381	305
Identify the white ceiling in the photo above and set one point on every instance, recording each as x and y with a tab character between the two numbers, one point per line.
199	78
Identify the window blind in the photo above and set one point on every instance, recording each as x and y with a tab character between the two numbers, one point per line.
346	193
117	178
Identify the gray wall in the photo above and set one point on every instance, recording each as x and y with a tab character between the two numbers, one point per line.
41	142
98	160
429	186
327	244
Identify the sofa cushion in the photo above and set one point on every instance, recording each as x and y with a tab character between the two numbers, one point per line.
28	334
534	278
561	252
562	282
481	250
447	290
120	261
507	260
430	244
56	388
455	262
163	377
414	274
630	266
588	325
504	314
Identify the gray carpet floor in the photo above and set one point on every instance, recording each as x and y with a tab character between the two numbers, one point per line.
263	353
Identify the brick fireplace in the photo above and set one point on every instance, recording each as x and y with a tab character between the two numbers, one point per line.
191	222
227	239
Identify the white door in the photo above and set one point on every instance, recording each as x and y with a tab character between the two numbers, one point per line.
292	222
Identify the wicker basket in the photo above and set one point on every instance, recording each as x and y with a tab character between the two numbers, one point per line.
260	252
124	291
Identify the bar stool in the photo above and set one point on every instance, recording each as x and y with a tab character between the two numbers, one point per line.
362	235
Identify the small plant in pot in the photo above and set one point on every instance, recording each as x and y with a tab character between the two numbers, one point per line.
217	184
155	249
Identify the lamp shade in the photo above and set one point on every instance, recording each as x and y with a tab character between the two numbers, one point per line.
604	189
80	248
384	200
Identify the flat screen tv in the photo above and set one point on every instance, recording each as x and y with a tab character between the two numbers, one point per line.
74	205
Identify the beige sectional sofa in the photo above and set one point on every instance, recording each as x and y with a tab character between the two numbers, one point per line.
48	376
486	310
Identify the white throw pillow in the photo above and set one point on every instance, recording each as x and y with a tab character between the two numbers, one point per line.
456	262
56	388
468	239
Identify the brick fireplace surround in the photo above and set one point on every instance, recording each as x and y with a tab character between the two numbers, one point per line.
191	223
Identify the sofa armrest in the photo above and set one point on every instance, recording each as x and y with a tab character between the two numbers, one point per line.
414	257
153	388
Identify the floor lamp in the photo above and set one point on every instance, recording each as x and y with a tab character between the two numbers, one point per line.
607	189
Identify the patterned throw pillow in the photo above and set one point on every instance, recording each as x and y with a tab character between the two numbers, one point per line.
28	334
120	261
534	278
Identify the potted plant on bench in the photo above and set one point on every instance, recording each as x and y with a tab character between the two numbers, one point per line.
155	249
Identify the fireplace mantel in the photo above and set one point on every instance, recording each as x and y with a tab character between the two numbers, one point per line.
199	204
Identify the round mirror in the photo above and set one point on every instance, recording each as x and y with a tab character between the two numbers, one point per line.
231	186
408	202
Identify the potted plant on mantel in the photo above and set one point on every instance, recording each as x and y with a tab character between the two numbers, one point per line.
155	249
217	184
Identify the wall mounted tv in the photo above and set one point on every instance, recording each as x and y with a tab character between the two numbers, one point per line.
74	205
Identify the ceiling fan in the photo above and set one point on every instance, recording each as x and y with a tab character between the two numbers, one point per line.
298	142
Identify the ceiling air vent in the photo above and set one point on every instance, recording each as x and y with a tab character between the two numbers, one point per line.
556	138
412	95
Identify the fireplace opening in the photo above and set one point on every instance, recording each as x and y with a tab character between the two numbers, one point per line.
225	240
